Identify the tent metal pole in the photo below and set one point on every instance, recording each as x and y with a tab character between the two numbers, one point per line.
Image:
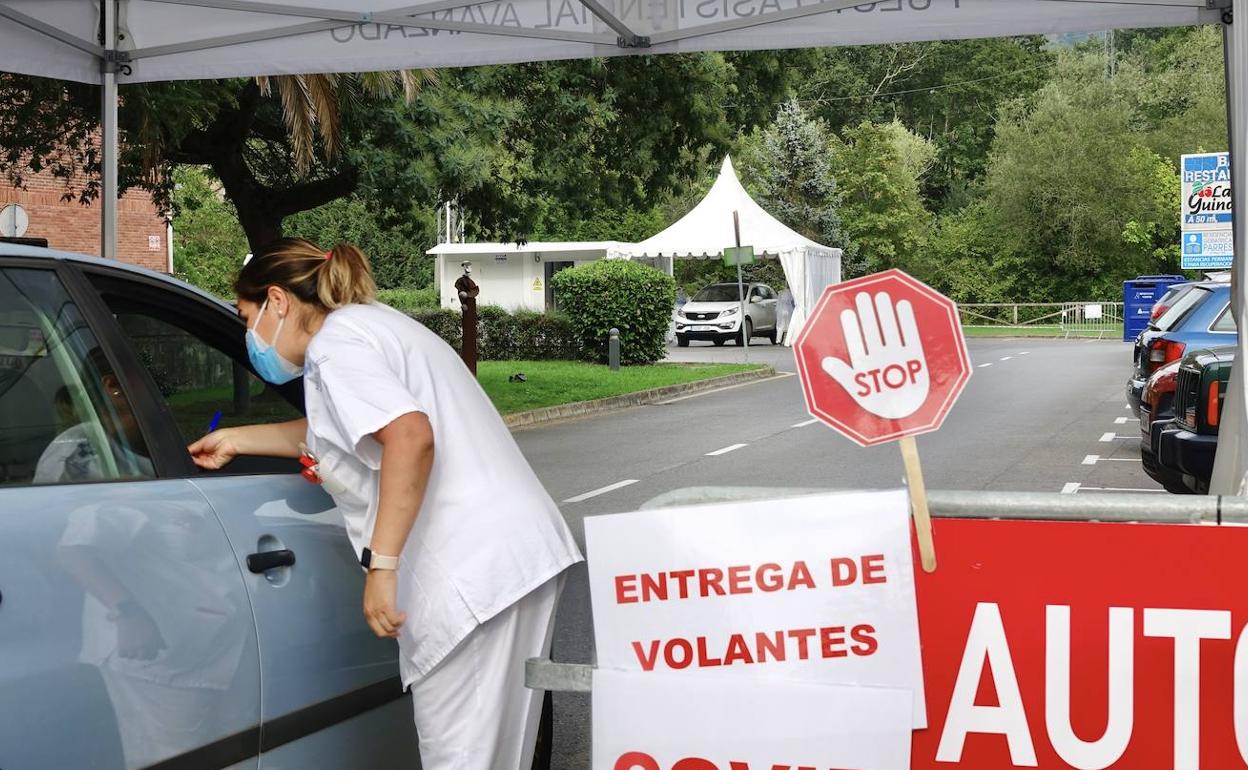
1231	460
109	135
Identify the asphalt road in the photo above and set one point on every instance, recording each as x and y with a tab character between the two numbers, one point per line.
1037	415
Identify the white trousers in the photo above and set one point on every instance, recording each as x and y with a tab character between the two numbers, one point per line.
473	711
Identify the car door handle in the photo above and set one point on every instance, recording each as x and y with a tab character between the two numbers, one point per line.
267	560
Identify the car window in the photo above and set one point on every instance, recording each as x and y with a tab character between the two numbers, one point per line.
1181	307
1225	322
64	416
200	384
718	292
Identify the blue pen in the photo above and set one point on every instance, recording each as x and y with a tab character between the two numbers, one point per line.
216	420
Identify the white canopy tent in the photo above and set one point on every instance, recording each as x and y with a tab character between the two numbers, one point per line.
125	41
709	228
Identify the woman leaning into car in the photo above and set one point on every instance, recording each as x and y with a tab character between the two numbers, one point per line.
464	549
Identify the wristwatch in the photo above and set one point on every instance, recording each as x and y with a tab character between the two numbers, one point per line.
372	560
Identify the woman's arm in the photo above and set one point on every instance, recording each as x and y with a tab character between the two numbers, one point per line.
279	439
406	461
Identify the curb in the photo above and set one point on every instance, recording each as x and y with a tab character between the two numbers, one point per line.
548	414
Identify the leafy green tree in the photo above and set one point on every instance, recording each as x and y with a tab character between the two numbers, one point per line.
948	91
208	244
788	170
1066	180
880	168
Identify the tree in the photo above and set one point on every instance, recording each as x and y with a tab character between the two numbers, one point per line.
275	154
1066	180
787	168
208	244
948	91
880	168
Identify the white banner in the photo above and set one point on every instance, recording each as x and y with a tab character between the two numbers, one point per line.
817	588
657	722
173	41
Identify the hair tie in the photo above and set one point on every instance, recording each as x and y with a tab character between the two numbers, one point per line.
329	254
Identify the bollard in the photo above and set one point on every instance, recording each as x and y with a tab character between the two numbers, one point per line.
613	350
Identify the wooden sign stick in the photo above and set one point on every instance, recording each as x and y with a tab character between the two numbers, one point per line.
918	502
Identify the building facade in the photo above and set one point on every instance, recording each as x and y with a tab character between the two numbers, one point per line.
143	232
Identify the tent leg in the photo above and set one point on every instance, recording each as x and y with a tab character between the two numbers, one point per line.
1231	462
109	138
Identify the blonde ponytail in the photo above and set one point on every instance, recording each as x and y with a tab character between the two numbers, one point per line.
344	278
326	280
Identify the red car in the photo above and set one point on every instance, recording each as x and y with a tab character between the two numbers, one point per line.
1156	411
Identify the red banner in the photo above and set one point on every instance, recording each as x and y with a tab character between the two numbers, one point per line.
1080	645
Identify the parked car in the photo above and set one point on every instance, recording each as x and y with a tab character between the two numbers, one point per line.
152	614
1188	444
1156	413
1199	316
714	314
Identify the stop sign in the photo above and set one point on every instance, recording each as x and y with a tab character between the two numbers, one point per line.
882	357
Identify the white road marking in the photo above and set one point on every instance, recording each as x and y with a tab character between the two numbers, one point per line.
1094	459
1024	352
981	366
1108	437
779	376
1007	358
1070	487
725	450
804	424
602	491
1121	420
1126	406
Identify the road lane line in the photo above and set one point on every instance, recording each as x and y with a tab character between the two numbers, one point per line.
1007	358
725	450
602	491
804	424
1091	459
1121	420
981	366
1107	437
1025	352
1070	488
1094	459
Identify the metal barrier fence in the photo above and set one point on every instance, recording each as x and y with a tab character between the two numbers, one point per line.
545	674
1058	319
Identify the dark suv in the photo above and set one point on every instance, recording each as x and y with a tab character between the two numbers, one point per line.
1189	443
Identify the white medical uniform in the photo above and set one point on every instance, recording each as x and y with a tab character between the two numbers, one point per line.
479	574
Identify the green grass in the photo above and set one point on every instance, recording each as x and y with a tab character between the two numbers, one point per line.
565	382
193	409
1110	333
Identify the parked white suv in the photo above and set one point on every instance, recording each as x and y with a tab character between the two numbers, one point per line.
714	314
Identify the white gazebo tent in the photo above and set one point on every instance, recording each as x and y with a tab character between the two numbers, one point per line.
108	42
709	228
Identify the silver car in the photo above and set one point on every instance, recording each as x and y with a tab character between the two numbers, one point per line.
153	615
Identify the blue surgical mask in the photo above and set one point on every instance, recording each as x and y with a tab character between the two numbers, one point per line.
268	363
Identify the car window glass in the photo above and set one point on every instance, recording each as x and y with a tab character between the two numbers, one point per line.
718	292
197	380
64	417
1182	305
1225	322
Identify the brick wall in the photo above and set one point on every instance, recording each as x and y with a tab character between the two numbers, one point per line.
71	226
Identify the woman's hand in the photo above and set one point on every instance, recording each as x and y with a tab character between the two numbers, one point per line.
380	588
215	450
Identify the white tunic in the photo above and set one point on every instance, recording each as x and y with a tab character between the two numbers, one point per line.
487	533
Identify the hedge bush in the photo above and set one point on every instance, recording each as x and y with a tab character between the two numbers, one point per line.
410	300
504	336
617	293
